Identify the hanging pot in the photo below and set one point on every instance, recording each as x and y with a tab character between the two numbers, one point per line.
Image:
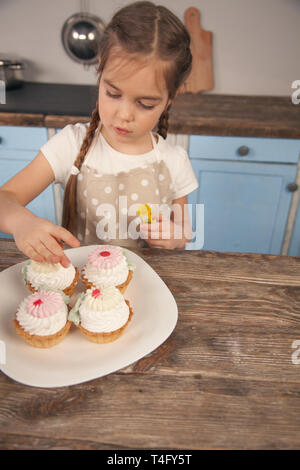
81	35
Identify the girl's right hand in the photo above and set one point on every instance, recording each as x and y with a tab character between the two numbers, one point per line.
39	239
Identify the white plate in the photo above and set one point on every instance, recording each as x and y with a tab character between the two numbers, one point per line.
76	359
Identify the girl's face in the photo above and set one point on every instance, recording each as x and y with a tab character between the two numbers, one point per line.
132	96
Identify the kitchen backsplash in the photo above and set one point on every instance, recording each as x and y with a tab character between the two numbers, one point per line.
255	44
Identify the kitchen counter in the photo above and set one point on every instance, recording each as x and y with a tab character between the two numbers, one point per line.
56	105
224	379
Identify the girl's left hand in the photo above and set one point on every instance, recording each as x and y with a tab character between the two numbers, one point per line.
163	233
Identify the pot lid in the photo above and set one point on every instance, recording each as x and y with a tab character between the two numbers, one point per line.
11	63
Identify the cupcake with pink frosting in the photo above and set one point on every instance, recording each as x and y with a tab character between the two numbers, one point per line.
107	266
42	318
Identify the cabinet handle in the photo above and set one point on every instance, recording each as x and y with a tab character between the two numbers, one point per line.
243	150
292	187
1	140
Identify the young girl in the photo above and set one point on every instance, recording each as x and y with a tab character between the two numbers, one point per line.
113	165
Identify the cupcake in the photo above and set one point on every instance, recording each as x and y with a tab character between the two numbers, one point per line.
49	275
101	314
42	318
107	266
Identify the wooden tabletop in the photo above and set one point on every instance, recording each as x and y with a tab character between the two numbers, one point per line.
56	105
226	378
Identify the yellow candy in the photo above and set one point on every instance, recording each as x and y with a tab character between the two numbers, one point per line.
144	212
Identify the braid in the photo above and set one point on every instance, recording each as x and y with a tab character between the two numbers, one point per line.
163	123
69	207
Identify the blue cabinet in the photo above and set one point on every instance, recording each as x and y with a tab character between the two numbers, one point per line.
19	146
243	186
243	200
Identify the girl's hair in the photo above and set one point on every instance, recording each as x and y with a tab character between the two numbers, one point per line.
143	30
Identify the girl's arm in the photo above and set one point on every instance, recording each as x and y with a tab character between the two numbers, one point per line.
172	233
36	237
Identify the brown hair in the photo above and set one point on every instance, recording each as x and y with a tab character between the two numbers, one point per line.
141	29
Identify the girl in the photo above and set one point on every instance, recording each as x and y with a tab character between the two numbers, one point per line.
115	164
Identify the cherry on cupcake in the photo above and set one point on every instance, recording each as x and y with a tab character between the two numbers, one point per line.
96	293
104	253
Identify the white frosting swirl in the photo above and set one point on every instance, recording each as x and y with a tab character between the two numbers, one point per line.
105	313
54	276
107	277
41	326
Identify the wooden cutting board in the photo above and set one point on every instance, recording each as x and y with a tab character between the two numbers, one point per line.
201	76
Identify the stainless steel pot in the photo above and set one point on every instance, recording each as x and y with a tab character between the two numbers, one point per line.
11	73
81	35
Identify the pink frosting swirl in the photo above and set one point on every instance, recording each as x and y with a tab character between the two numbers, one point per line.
44	304
106	257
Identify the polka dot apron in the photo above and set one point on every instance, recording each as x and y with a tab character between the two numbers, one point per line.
107	204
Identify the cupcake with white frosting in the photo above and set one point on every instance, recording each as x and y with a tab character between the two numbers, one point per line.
42	318
107	266
101	314
50	275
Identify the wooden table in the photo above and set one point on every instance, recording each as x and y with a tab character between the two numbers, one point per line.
224	379
56	105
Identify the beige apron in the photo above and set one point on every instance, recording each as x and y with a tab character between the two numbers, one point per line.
107	204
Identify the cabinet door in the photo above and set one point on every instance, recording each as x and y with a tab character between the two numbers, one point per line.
245	204
250	149
22	138
13	159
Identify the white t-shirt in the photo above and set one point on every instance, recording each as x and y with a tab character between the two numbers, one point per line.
62	149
